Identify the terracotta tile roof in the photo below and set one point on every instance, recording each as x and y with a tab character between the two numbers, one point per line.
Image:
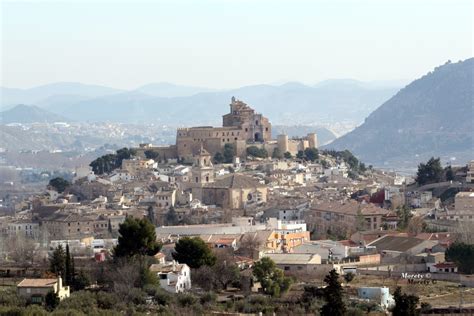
235	181
37	283
350	207
445	265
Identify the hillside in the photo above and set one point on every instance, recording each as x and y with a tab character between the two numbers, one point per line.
432	116
29	114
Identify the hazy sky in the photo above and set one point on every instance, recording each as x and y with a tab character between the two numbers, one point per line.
226	43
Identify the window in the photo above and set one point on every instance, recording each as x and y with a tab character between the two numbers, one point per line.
287	268
266	129
197	179
256	122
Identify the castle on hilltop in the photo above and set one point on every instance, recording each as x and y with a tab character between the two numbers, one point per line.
241	127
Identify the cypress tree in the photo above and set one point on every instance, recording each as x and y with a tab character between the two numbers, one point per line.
68	277
333	296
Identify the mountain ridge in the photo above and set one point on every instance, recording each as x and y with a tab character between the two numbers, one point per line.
432	116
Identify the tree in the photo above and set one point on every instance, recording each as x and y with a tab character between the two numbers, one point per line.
349	277
270	277
225	271
152	154
415	225
257	152
311	154
431	172
449	173
171	217
110	162
332	294
229	153
463	255
405	304
81	281
59	184
219	276
287	155
69	274
104	164
137	238
300	154
404	215
194	252
57	261
277	153
218	158
249	245
51	300
21	249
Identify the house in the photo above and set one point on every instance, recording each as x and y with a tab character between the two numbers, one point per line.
26	228
174	277
298	263
234	191
345	215
35	290
381	295
444	267
396	245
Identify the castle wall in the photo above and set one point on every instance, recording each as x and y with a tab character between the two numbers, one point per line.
165	152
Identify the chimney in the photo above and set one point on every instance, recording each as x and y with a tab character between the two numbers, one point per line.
60	283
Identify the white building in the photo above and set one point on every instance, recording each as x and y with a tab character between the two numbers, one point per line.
379	294
174	277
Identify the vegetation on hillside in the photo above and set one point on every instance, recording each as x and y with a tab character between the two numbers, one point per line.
110	162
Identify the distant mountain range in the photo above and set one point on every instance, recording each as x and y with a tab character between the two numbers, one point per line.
292	103
29	114
432	116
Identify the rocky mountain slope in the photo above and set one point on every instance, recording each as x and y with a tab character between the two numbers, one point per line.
432	116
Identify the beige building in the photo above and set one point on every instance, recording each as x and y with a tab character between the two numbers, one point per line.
470	172
234	191
60	225
241	127
347	215
464	201
35	290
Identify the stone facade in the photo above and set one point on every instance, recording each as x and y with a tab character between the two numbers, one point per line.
239	127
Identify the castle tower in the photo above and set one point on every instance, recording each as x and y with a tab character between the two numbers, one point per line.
313	140
282	141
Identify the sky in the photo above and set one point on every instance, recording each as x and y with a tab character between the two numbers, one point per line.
229	43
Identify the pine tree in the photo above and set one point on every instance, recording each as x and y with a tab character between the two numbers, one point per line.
333	296
405	304
57	261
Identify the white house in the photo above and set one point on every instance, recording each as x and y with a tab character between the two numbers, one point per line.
379	294
174	277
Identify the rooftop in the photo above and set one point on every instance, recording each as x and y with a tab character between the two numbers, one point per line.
37	283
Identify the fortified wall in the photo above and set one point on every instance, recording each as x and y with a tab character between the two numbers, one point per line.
241	127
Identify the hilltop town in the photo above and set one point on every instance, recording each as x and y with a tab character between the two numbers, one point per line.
236	218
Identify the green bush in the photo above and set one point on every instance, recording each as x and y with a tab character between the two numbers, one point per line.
185	300
82	301
9	297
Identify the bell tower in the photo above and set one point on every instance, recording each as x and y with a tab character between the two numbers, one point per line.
202	170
